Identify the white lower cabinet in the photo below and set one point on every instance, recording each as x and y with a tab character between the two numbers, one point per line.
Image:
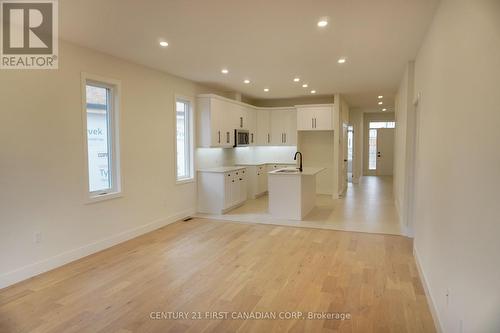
256	180
221	191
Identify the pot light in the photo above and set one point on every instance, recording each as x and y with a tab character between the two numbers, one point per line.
313	91
305	85
246	81
266	89
380	103
384	109
342	60
322	23
296	79
380	97
163	43
224	71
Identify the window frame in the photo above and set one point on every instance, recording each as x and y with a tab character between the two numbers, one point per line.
191	116
116	189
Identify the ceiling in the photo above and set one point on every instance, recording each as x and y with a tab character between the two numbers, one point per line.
267	42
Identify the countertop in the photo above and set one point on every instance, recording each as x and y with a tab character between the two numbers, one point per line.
222	169
265	163
307	171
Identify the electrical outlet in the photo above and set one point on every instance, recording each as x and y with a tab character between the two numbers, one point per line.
37	237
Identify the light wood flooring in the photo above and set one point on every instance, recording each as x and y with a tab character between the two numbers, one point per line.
366	207
202	265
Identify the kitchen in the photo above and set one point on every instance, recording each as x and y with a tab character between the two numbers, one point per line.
243	148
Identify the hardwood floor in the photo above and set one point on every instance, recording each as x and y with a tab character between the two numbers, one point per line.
202	265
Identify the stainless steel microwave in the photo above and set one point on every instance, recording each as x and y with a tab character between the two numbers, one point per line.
241	138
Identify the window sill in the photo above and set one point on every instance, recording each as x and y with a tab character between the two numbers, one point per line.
184	181
104	197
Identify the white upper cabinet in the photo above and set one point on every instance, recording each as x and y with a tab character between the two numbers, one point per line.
315	117
283	127
250	124
263	127
216	121
218	118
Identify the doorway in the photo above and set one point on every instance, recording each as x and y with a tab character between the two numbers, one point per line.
381	148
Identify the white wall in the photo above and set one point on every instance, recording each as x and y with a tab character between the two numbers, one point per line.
404	148
356	120
317	148
42	162
457	227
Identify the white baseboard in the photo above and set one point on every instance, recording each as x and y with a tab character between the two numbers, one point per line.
430	299
48	264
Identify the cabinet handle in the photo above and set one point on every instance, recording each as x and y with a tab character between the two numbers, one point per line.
268	138
219	136
312	122
315	123
284	136
241	122
252	137
227	137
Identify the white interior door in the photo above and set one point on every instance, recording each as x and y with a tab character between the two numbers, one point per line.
385	151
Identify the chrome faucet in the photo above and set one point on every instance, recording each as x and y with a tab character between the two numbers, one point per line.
300	160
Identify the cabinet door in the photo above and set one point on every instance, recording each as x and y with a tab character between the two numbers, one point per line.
216	123
242	186
263	127
261	179
251	125
290	127
228	181
305	119
323	118
278	117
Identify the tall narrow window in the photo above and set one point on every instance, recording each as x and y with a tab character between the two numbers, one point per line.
184	163
372	149
102	161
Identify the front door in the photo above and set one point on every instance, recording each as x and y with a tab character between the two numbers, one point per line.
385	151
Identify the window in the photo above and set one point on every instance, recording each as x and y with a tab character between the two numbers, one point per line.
372	149
101	133
184	140
382	124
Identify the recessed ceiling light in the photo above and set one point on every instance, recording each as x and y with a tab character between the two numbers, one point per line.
163	43
384	109
296	79
380	103
313	91
305	85
224	71
342	60
266	89
246	81
380	97
322	23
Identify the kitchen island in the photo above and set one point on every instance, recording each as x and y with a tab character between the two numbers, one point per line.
292	193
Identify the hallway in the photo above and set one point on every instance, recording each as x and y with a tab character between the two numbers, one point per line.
366	207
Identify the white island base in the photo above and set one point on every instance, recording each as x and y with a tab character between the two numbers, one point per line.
292	195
